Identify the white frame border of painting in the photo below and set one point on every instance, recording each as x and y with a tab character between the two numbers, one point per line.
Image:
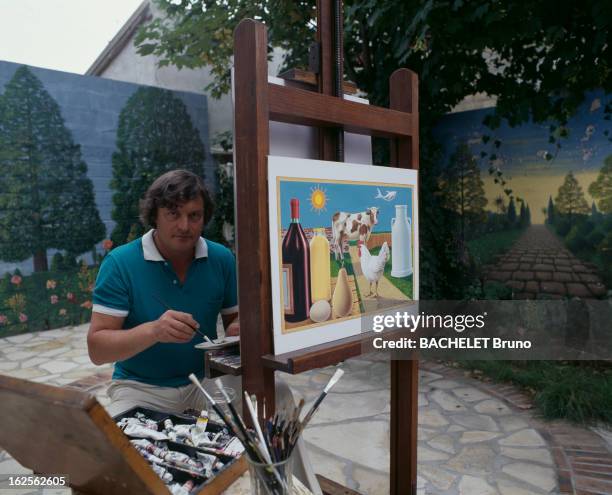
312	170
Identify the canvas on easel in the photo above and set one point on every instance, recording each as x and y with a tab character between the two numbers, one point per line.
343	243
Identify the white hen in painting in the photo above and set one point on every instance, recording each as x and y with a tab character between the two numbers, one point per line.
373	266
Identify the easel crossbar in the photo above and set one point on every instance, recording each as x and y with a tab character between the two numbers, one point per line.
298	106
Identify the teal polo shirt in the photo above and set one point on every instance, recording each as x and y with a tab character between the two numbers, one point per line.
135	282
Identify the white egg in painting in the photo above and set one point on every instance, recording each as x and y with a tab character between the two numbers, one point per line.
320	311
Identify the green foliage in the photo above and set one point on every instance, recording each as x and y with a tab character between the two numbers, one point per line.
601	189
221	227
550	211
155	135
485	248
46	198
512	212
46	300
570	199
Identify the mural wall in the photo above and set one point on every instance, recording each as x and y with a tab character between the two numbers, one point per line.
76	154
534	202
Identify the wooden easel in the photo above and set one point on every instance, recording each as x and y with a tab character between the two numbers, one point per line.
257	102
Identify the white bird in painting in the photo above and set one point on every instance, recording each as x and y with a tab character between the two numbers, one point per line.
373	266
388	196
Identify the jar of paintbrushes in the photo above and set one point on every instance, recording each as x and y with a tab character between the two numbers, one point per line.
270	447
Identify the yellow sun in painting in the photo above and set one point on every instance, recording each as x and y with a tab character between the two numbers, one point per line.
318	199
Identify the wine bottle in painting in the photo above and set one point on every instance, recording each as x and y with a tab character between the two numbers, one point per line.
296	269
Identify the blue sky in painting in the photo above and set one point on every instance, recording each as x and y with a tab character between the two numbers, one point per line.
351	198
523	147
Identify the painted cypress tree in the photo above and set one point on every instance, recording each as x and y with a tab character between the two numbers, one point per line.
523	215
570	199
155	134
550	211
463	187
46	198
601	189
528	216
512	213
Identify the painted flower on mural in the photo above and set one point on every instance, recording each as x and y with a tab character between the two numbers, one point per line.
87	304
71	297
54	299
16	280
51	284
23	317
62	312
3	320
107	244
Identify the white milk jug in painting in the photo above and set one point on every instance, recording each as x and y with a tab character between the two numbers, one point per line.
401	243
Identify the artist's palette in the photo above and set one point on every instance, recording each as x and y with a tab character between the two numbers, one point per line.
219	343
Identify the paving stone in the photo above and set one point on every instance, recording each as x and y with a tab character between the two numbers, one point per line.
455	429
368	481
532	286
425	454
512	423
27	373
543	275
8	365
20	339
540	477
445	384
562	261
523	275
343	407
11	466
589	277
19	355
492	407
428	376
515	284
347	440
536	455
446	401
553	287
470	394
580	268
478	436
439	478
523	438
543	267
509	267
47	345
525	266
474	460
444	443
507	488
563	277
475	422
58	366
432	418
31	363
469	485
598	290
577	290
53	352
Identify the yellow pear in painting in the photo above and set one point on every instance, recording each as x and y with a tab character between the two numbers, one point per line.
342	300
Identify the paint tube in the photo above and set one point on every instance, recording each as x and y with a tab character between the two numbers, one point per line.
152	425
168	424
208	462
163	473
234	448
148	422
139	431
177	489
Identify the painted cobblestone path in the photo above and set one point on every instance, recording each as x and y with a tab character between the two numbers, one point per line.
471	441
539	266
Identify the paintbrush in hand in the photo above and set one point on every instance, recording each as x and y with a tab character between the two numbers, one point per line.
170	309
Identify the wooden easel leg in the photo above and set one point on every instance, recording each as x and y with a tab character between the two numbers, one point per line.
404	408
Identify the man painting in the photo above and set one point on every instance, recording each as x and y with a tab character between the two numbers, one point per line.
154	298
171	266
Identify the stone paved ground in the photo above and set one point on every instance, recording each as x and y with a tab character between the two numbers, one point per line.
474	438
539	266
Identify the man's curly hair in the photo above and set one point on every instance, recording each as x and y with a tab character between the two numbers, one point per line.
171	190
